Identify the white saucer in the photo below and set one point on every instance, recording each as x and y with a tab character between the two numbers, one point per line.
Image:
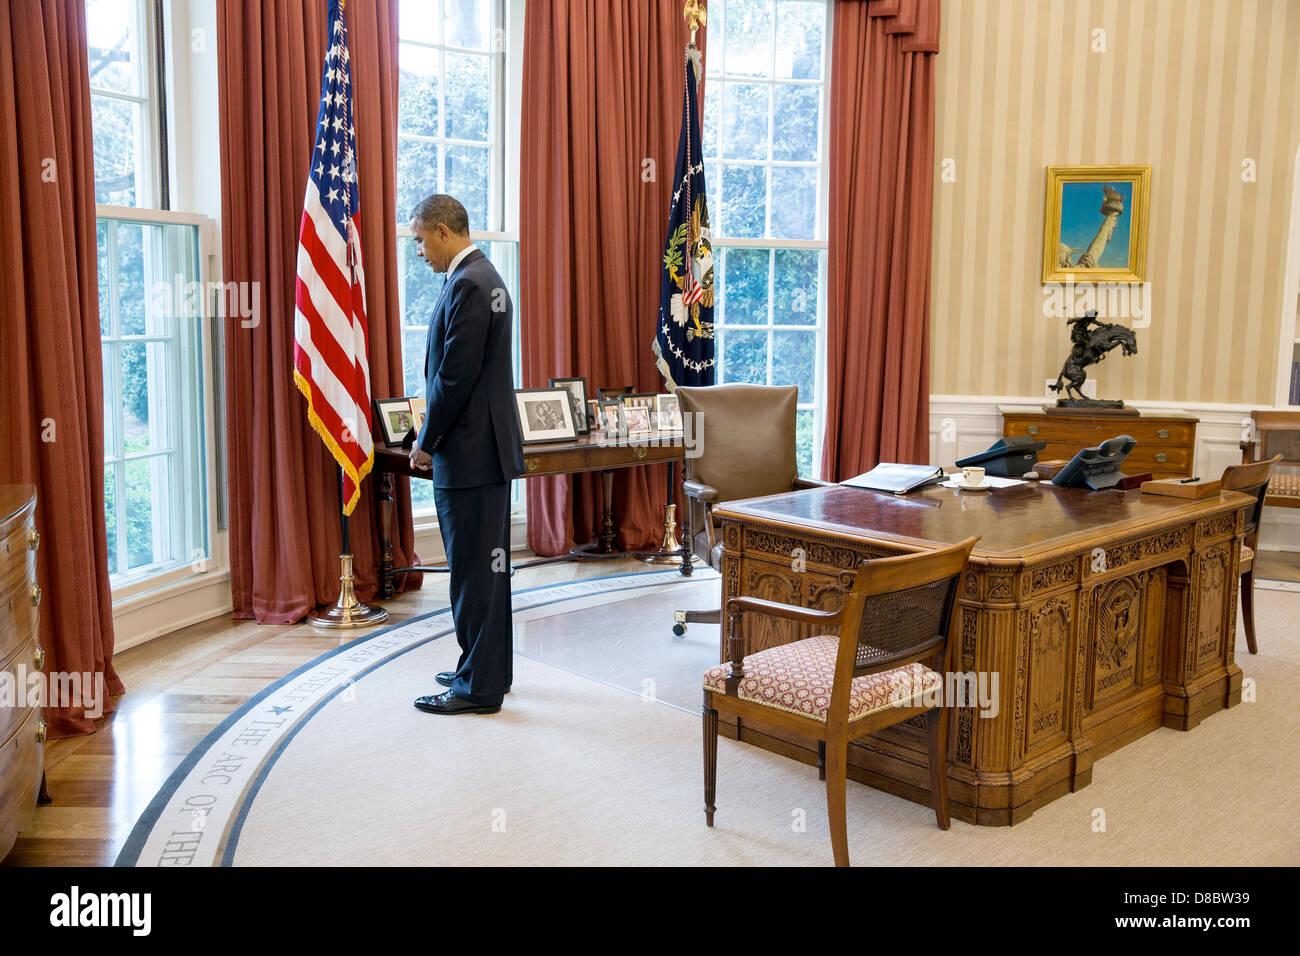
958	481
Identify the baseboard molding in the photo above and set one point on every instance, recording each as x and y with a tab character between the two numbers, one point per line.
962	425
147	616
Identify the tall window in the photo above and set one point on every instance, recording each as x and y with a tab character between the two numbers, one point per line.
124	102
451	138
764	149
157	466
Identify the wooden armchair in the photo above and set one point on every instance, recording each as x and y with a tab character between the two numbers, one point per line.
748	449
1277	436
886	665
1253	480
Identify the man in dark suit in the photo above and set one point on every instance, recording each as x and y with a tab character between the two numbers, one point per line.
471	441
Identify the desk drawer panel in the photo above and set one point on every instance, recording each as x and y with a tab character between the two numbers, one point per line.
18	618
16	672
20	776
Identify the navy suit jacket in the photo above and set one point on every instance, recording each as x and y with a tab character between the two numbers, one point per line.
471	429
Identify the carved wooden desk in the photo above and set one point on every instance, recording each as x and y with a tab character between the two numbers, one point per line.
587	453
1104	615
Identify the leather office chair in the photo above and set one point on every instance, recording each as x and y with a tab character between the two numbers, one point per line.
747	436
1253	480
891	650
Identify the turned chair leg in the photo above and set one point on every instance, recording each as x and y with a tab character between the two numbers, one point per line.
1248	608
710	762
836	809
821	760
937	732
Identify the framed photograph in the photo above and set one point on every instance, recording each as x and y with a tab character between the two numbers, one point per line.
612	421
612	391
545	414
577	388
638	419
396	425
593	414
417	414
1095	223
668	413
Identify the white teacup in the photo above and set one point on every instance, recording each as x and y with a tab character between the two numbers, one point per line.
974	477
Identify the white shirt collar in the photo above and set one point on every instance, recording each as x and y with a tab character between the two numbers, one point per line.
451	266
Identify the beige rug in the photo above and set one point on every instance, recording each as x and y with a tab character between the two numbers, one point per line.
596	760
578	772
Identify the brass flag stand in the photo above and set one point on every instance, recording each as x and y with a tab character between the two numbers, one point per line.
347	611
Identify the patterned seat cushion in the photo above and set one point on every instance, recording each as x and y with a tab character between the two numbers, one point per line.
797	678
1284	486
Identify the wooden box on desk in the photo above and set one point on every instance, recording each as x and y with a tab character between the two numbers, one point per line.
1166	441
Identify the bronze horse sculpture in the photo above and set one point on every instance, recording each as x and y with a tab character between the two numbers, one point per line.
1091	341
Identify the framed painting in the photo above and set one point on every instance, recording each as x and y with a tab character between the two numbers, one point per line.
1095	223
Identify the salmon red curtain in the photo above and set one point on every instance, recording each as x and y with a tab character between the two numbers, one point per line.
601	117
51	387
285	532
879	225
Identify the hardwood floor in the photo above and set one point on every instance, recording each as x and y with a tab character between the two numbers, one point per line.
180	687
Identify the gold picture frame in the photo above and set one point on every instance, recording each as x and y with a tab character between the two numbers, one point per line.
1091	208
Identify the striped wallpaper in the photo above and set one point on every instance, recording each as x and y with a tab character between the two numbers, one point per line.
1191	87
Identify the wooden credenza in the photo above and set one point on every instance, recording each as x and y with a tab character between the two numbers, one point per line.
22	731
1166	442
1103	615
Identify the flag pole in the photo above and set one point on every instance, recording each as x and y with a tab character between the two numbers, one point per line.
347	611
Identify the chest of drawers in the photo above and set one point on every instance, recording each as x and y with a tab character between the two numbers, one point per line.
1166	442
22	731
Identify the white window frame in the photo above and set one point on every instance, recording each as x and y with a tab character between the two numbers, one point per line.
148	167
503	188
127	584
715	85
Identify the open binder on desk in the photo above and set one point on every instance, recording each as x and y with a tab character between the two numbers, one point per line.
900	479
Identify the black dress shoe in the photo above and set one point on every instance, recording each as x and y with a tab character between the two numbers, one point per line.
449	703
446	677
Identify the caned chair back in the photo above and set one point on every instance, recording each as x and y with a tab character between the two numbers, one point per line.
1279	436
748	438
1251	480
901	610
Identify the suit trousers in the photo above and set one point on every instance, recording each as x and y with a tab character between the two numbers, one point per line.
475	525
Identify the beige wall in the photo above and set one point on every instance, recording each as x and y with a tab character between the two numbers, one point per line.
1191	87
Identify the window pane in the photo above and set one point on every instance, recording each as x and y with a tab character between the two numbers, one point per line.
746	121
110	38
744	201
116	126
744	286
795	285
101	268
110	515
468	24
144	397
795	216
795	123
111	404
413	343
804	435
419	20
421	496
422	288
130	277
744	357
417	175
467	180
748	32
801	24
144	477
417	106
469	90
712	116
794	357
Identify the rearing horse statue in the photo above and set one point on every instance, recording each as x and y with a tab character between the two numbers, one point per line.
1091	341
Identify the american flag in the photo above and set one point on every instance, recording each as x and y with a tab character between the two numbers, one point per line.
330	358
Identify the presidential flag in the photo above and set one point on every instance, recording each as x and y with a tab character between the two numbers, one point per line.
330	358
684	346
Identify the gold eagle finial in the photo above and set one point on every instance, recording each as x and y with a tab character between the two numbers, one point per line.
695	16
